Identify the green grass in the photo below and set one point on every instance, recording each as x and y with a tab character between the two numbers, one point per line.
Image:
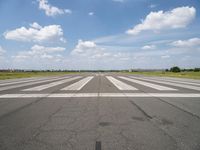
13	75
190	75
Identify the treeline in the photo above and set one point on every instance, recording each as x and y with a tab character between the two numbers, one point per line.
172	69
177	69
20	70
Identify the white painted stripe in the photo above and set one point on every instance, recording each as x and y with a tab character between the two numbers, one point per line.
66	95
182	79
27	80
119	84
23	95
52	84
74	95
78	85
16	79
151	85
174	81
27	84
169	83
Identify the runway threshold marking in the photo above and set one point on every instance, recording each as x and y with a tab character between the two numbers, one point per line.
82	95
29	83
151	85
26	80
174	81
119	84
78	85
52	84
169	83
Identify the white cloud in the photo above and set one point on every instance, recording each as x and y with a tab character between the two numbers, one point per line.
39	52
187	43
91	13
177	18
52	10
89	55
36	33
2	51
35	25
43	49
89	49
148	47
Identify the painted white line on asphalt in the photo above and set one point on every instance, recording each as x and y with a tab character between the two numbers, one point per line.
26	80
74	95
169	83
52	84
182	79
151	85
78	85
174	81
80	95
29	83
119	84
23	95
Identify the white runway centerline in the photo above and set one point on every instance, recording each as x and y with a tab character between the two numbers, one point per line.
80	95
170	83
52	84
119	84
78	85
151	85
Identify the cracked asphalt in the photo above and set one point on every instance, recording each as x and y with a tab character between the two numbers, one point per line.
118	123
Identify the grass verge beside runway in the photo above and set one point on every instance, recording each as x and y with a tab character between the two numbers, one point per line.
14	75
190	75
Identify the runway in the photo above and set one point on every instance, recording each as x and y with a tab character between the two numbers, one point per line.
94	111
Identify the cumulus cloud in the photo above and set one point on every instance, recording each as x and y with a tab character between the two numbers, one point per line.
36	33
187	43
52	10
148	47
177	18
35	25
43	49
89	55
40	52
89	49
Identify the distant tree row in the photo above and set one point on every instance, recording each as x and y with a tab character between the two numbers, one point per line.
177	69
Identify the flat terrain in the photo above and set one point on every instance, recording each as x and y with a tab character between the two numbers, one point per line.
14	75
188	74
100	111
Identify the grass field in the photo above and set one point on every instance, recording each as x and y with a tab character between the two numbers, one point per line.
190	75
13	75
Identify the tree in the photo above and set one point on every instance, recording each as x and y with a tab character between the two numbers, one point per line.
175	69
196	69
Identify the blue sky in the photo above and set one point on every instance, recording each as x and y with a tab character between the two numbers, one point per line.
99	34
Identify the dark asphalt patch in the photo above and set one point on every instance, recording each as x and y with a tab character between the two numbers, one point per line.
103	124
137	118
98	145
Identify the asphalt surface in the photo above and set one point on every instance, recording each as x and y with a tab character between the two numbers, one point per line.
100	111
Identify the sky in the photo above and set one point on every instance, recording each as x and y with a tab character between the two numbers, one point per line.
99	34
